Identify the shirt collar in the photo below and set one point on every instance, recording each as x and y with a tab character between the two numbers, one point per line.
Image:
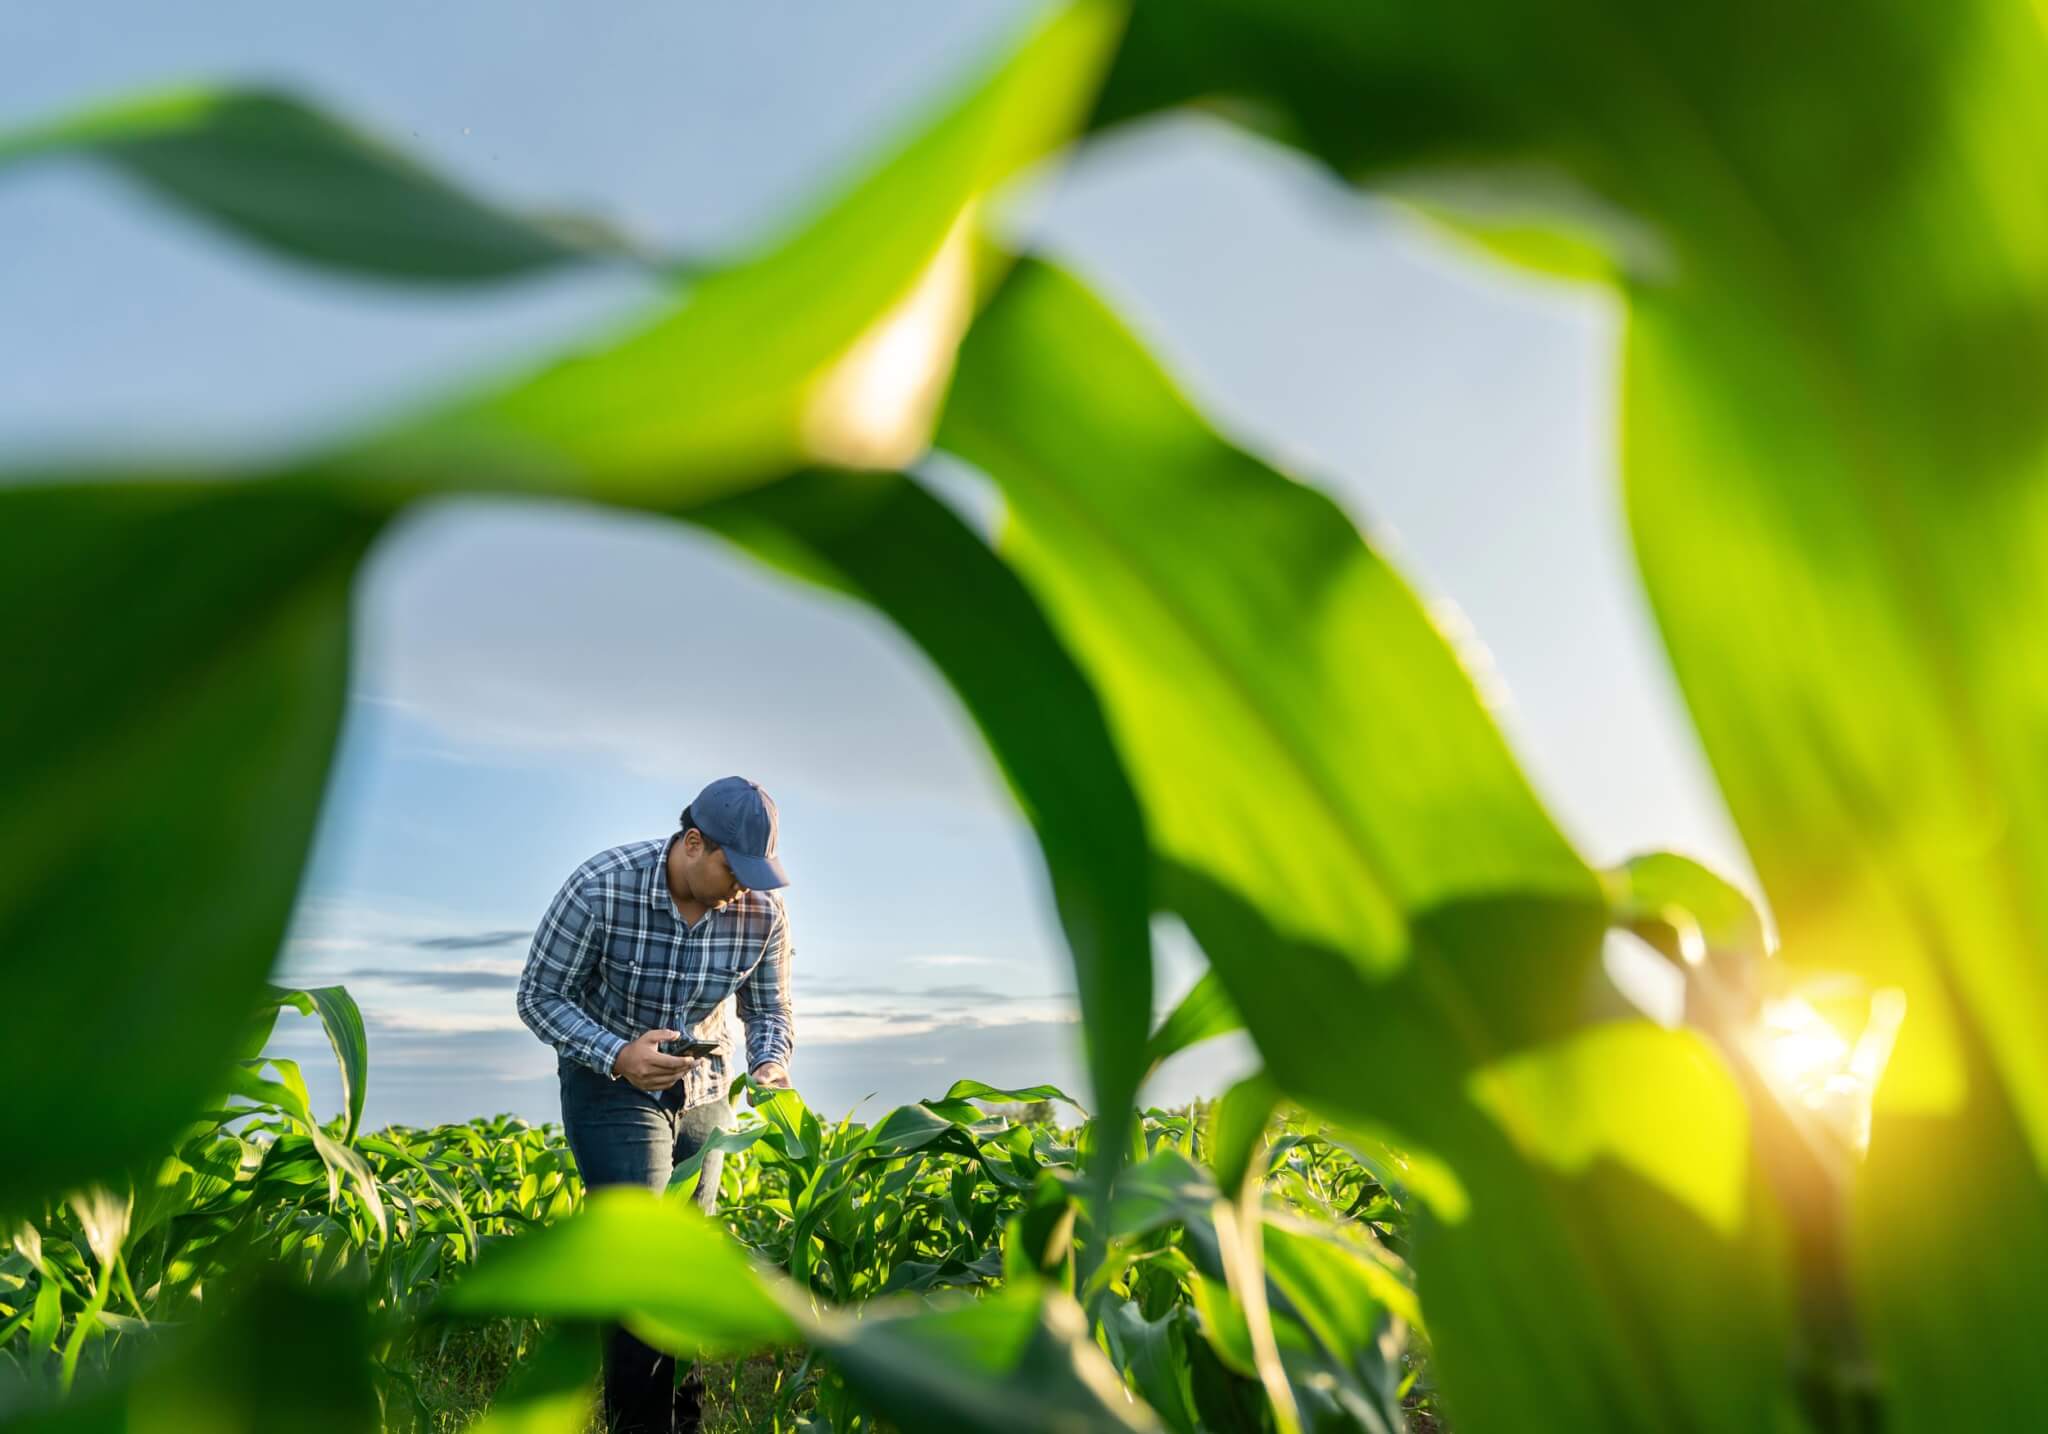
657	886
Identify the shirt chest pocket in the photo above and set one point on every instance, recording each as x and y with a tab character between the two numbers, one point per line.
641	976
725	964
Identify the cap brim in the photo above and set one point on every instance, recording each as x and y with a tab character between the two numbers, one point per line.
756	873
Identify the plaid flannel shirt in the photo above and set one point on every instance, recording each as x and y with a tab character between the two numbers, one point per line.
613	959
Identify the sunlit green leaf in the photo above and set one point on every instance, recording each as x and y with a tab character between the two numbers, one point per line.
1017	1360
343	1021
1205	1011
1331	1285
1393	914
1346	797
183	647
831	346
883	540
1695	918
1833	456
625	1252
103	1220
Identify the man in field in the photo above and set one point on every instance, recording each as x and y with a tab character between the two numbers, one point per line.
643	945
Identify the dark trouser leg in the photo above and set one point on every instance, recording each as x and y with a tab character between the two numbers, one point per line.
620	1135
693	1128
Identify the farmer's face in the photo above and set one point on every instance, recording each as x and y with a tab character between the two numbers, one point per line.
710	877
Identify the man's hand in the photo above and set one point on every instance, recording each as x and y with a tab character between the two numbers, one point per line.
768	1073
646	1067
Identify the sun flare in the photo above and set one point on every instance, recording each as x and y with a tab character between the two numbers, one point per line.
1812	1064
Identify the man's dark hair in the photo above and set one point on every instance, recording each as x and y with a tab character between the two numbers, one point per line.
687	825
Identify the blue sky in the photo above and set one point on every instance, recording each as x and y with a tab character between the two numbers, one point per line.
522	692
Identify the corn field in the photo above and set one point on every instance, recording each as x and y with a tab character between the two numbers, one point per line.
1211	696
976	1191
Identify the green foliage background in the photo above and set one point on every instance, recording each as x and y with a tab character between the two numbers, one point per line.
1831	234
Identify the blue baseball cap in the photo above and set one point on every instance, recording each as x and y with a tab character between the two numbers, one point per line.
737	815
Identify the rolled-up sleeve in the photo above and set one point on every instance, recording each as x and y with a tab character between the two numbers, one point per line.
763	999
558	968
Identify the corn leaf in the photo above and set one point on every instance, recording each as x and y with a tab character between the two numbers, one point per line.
552	1393
621	1255
280	1356
833	345
279	174
182	646
179	656
1400	925
1014	1361
1204	1012
342	1020
882	540
1834	460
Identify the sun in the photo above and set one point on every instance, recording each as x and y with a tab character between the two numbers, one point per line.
1811	1064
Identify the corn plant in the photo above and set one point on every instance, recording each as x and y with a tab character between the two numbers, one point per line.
947	1194
260	1183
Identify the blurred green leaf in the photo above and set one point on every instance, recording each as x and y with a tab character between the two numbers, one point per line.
1391	911
1016	1361
1335	1289
832	346
1694	907
1696	919
180	657
1840	513
279	174
1237	1131
278	1356
1224	1326
1343	795
957	1104
48	1314
626	1252
552	1392
103	1221
1226	1400
1834	458
883	540
1151	1353
184	646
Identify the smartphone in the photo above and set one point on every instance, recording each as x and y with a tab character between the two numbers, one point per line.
684	1046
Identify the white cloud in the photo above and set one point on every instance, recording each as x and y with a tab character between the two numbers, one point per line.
406	968
438	1023
549	629
847	1022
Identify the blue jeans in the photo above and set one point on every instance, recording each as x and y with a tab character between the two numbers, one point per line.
622	1135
